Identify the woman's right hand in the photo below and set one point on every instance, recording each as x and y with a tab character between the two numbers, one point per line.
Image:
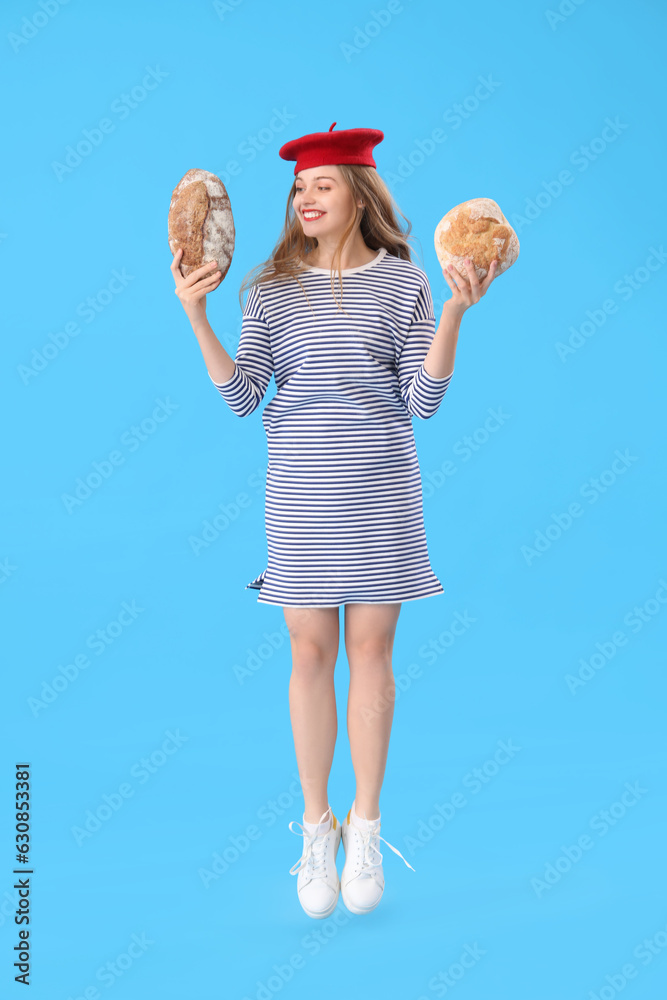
192	290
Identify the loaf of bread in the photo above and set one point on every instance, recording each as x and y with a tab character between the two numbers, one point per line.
201	222
476	229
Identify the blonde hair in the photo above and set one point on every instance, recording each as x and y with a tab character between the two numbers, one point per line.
379	227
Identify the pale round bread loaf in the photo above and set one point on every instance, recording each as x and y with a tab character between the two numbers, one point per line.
201	222
476	229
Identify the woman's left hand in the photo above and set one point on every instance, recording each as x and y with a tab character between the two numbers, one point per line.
467	290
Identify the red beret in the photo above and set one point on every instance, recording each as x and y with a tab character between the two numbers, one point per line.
352	145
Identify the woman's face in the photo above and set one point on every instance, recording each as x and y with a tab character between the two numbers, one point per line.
323	203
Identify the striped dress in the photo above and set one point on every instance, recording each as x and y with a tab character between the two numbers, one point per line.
343	506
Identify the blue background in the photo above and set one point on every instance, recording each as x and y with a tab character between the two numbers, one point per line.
588	203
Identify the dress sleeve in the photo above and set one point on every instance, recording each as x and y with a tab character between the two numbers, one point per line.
421	392
245	390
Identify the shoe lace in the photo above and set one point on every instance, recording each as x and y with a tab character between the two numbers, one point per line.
370	843
313	856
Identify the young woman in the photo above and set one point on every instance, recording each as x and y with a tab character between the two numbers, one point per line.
344	320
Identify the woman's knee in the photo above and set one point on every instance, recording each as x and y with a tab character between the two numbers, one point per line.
314	636
369	634
370	653
310	659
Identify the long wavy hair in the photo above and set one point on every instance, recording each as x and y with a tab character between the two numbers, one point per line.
379	227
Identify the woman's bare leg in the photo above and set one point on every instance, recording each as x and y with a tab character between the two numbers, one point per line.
369	641
314	634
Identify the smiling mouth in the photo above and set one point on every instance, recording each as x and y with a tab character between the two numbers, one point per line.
313	218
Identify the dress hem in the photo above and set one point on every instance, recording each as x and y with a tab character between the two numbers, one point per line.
340	604
258	582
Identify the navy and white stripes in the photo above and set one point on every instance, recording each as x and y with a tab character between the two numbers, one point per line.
344	519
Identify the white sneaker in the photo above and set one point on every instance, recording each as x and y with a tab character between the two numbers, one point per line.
362	878
318	885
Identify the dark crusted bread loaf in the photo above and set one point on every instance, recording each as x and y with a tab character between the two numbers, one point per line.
479	230
201	222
